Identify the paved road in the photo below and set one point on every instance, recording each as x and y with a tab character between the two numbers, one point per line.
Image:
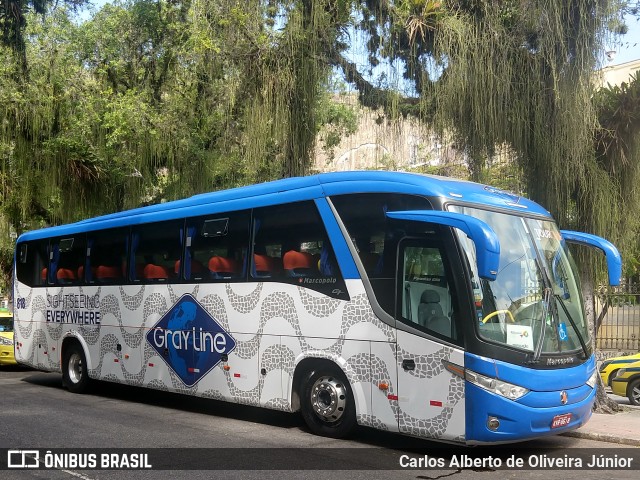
37	413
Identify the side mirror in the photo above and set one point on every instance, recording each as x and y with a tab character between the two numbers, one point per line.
482	235
611	253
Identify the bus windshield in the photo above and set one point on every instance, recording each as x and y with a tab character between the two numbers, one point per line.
535	302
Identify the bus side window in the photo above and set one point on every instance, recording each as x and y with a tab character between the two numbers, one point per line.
106	256
375	237
66	260
216	248
426	295
290	244
33	262
155	248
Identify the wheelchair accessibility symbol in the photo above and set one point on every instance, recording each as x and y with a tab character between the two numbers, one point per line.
562	332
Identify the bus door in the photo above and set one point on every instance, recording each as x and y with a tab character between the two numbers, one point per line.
430	397
430	289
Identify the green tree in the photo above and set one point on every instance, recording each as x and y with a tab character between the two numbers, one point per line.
158	99
13	21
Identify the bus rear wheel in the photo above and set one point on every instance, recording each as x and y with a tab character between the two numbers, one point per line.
74	369
327	403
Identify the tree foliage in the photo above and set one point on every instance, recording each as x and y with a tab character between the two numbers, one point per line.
190	95
13	21
157	99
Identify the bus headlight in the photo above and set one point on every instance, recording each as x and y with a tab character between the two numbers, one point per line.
504	389
593	379
5	341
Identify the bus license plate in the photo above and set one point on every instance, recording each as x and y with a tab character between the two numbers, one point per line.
561	420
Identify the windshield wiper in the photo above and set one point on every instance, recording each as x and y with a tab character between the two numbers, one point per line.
573	324
548	308
545	311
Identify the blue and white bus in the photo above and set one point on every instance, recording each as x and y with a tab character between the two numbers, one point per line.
424	305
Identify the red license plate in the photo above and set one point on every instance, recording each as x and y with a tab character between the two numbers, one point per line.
561	420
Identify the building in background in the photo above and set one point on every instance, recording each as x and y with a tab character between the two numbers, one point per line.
382	143
616	74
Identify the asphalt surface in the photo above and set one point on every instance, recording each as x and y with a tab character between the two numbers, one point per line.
235	441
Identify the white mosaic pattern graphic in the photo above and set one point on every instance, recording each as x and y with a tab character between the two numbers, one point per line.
259	317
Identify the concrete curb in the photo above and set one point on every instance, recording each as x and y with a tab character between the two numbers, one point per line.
603	437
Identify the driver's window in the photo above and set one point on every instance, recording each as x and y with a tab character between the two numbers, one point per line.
426	295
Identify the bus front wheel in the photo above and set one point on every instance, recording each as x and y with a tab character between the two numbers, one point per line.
74	369
327	403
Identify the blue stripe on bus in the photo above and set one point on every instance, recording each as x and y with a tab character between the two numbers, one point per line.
537	399
340	247
299	189
428	185
533	379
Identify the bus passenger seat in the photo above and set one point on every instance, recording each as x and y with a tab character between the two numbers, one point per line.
299	264
155	272
65	276
430	313
264	266
223	267
107	274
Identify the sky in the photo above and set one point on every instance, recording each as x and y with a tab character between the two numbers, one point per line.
628	47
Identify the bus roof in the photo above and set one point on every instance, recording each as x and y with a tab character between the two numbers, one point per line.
305	188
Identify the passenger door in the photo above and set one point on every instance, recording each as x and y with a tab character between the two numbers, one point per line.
430	397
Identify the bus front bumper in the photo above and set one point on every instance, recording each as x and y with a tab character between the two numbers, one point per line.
513	421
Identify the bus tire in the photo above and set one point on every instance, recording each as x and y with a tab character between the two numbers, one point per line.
633	392
327	403
74	369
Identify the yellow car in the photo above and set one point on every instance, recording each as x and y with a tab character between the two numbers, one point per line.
609	368
6	338
627	383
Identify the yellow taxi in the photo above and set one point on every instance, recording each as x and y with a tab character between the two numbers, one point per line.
627	383
609	368
6	338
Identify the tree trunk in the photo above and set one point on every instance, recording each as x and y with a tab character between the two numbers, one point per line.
603	403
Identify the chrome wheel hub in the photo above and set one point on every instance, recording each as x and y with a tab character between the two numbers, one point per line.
328	398
75	368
